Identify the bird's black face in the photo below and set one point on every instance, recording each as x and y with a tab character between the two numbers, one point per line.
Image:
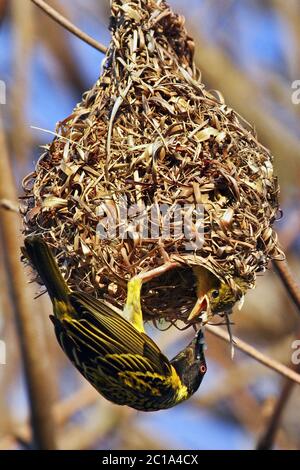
193	376
199	360
190	364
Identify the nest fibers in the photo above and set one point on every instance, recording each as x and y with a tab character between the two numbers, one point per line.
146	142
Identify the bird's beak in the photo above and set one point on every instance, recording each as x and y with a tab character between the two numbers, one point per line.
201	305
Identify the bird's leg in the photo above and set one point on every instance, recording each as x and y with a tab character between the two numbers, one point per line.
133	310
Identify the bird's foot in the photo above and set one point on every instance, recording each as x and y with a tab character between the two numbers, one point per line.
133	309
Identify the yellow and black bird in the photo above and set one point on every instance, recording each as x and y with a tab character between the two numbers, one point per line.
114	355
213	295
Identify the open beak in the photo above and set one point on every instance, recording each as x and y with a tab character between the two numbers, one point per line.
201	305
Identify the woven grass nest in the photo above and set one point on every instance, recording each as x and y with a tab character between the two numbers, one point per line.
149	133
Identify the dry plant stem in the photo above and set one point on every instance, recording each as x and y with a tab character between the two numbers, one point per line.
68	25
32	350
282	269
266	441
149	275
260	357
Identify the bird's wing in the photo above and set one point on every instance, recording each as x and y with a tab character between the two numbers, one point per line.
103	330
124	365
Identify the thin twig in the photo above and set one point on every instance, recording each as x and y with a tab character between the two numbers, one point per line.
266	441
57	41
282	269
31	340
260	357
60	19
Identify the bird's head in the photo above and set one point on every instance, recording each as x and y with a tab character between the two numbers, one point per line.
190	363
216	296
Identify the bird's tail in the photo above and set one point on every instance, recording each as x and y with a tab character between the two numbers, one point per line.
41	257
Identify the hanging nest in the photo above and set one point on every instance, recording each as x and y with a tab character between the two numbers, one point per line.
148	133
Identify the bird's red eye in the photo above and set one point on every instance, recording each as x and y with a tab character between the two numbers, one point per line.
203	369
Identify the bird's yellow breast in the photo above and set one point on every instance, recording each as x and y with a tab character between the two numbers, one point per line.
182	391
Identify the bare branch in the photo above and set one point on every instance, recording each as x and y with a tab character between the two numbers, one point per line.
282	269
253	352
266	441
31	340
69	25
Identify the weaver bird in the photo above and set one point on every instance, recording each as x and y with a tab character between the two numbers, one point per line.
213	295
119	360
